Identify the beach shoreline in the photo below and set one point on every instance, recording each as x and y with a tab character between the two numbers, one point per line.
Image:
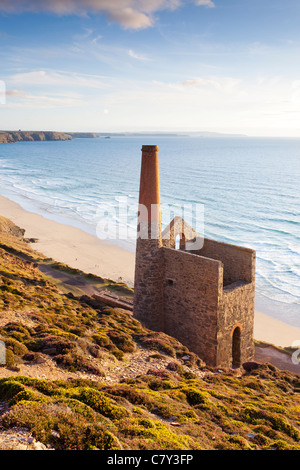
71	245
86	252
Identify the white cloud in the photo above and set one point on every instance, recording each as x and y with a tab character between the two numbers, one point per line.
194	82
130	14
130	18
206	3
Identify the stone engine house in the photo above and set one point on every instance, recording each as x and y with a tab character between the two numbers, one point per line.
203	297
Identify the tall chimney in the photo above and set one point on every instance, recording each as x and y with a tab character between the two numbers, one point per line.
149	218
148	289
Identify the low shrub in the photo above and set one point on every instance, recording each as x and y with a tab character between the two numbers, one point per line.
154	342
15	346
26	395
10	359
9	388
133	395
196	397
54	425
75	362
101	340
122	341
99	402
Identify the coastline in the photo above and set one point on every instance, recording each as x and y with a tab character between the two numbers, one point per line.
81	250
71	245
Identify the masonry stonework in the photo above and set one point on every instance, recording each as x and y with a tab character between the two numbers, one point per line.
204	297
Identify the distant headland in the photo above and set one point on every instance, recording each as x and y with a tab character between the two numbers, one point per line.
7	137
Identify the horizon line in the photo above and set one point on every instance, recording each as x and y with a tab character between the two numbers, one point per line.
179	132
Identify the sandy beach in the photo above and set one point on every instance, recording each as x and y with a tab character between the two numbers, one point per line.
78	249
71	245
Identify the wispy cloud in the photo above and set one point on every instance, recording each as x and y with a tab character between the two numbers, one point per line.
130	14
19	99
46	102
53	89
225	84
57	79
208	102
137	56
44	89
15	93
257	48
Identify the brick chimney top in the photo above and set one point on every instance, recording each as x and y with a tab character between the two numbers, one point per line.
150	148
149	184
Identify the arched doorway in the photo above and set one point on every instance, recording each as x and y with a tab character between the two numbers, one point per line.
236	347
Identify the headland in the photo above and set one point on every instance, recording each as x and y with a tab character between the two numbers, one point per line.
8	137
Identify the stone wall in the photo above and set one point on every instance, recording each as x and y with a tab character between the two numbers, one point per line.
191	297
203	314
148	285
239	262
178	226
236	309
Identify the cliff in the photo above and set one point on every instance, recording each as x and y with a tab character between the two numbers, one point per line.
83	135
8	227
7	137
80	375
20	136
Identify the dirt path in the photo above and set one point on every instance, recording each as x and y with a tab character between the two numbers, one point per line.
281	360
133	365
72	282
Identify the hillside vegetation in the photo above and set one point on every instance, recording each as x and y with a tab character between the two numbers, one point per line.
82	375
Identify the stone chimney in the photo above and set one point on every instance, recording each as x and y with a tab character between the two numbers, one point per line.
148	289
149	218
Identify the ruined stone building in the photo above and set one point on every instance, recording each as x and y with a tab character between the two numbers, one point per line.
203	297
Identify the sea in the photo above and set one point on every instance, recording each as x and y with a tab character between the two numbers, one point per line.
236	189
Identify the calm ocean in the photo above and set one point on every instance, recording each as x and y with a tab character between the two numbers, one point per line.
249	188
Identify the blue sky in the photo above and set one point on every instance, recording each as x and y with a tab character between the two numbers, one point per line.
167	65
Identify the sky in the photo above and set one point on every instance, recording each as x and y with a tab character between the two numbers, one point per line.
229	66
